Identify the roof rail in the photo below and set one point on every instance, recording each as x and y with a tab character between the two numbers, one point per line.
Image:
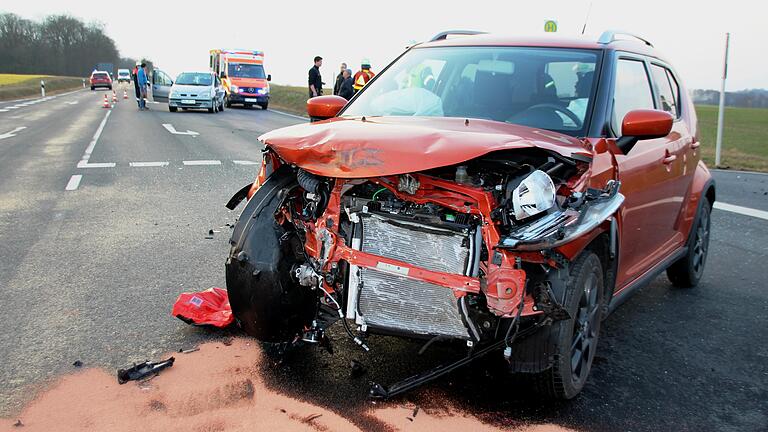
609	36
444	35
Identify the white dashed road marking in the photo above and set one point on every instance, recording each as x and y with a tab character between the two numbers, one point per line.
746	211
201	162
74	182
244	162
148	164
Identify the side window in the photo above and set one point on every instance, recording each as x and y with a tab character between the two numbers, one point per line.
632	91
667	94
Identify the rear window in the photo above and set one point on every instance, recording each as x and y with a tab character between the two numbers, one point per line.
100	75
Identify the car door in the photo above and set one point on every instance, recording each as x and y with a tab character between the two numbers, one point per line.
649	176
161	86
218	88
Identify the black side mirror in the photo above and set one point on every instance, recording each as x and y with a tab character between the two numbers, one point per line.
269	77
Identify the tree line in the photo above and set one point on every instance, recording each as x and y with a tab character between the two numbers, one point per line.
56	45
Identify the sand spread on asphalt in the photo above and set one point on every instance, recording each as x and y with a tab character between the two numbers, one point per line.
217	388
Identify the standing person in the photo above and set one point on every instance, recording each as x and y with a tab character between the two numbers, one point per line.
136	83
143	82
363	75
315	80
339	79
347	89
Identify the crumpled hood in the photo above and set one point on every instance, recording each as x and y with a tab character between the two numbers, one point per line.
248	82
353	148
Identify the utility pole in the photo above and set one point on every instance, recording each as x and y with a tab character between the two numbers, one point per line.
721	112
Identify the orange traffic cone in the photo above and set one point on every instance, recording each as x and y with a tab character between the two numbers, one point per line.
114	97
106	102
125	94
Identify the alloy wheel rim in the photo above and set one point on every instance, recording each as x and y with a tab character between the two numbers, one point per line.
584	330
701	244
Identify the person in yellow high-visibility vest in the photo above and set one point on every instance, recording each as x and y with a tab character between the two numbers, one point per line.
363	75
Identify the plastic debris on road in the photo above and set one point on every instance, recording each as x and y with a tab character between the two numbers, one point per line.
142	370
209	307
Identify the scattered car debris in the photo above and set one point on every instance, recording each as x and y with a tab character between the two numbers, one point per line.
227	341
187	351
142	370
18	423
415	411
77	364
311	417
209	307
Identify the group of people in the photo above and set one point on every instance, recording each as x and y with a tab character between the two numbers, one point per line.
140	84
346	85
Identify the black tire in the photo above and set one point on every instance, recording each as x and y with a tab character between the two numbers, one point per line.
687	271
227	102
172	109
93	88
212	109
264	106
574	339
110	87
267	303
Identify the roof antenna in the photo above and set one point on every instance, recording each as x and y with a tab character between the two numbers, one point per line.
589	10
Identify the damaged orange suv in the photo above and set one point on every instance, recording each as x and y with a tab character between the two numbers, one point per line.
499	193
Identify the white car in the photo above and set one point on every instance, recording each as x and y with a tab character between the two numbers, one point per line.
196	90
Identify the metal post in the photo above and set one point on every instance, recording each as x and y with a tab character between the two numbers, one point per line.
42	88
721	112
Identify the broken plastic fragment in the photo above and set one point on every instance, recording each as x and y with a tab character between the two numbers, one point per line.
142	370
209	307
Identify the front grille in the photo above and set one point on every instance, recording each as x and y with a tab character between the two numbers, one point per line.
391	301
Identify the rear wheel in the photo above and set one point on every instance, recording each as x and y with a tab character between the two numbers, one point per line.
575	339
686	272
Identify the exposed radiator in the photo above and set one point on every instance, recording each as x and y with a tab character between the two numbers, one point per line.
388	300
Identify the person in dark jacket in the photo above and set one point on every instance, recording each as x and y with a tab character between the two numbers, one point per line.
339	79
315	80
135	76
346	89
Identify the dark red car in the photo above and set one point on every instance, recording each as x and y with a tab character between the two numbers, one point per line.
498	193
101	79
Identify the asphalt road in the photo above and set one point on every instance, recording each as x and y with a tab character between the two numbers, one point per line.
90	274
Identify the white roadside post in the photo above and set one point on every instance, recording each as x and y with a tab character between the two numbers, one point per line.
721	112
83	82
42	88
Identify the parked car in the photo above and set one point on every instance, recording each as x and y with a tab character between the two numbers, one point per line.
196	90
505	194
123	75
100	79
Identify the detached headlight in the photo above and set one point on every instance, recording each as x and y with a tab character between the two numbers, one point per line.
534	195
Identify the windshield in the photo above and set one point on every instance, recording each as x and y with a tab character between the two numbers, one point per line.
548	88
195	79
244	70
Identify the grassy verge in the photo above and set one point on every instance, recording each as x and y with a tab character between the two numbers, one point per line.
290	98
745	137
13	86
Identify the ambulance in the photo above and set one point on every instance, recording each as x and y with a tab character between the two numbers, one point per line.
242	75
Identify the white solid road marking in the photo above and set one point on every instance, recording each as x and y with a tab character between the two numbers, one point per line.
71	103
169	127
87	155
12	133
746	211
148	164
82	164
290	115
201	162
74	182
244	162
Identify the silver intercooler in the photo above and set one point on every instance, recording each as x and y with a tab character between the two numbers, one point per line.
386	298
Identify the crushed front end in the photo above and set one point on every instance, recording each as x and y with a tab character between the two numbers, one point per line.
475	252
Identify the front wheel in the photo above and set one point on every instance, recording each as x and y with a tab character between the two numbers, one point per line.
212	109
264	105
575	339
172	109
686	272
227	102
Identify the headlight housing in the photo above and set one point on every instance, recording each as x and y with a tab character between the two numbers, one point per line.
534	195
234	89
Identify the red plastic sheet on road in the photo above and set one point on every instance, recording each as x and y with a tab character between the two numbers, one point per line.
209	307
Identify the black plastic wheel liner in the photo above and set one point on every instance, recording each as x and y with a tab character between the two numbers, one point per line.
266	301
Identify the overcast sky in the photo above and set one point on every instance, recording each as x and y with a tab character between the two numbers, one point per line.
177	35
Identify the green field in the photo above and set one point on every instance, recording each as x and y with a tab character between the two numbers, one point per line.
290	99
745	137
13	86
